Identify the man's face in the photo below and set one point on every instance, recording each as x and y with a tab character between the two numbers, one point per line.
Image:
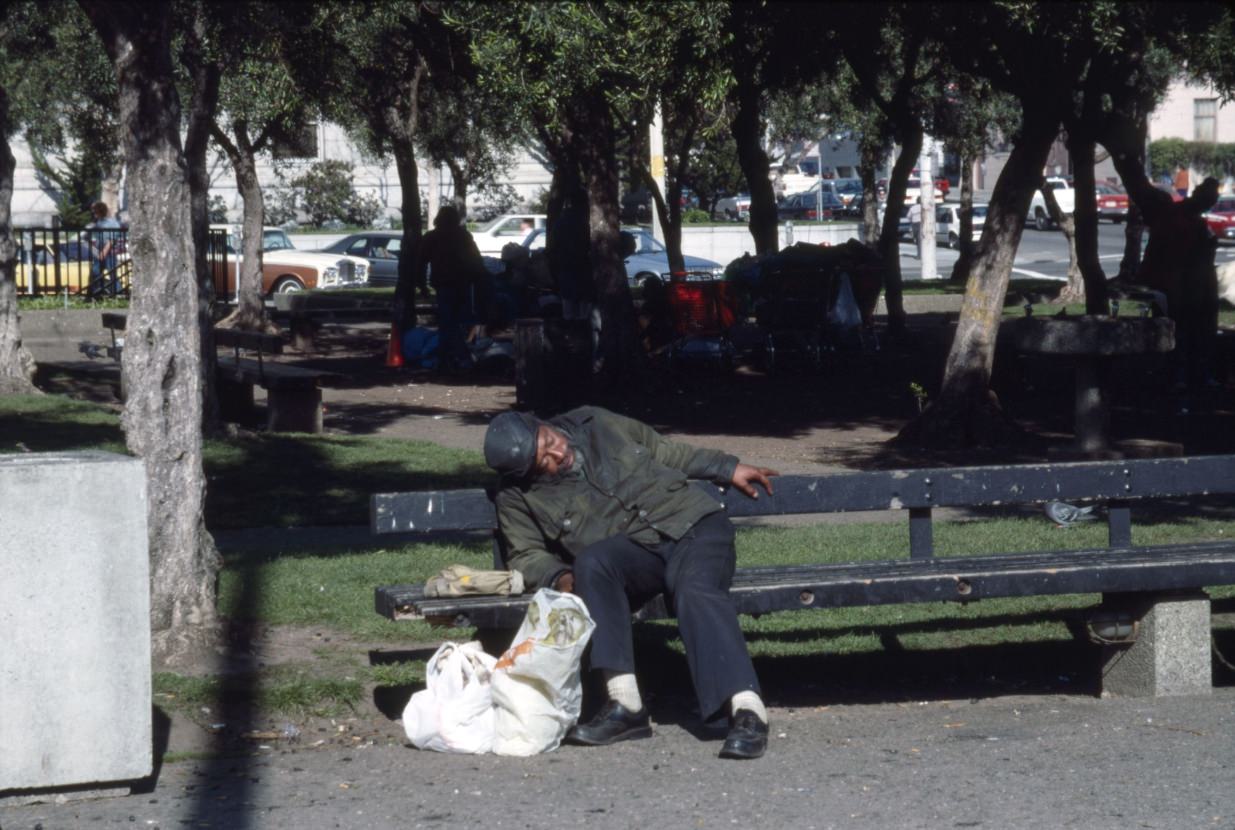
553	452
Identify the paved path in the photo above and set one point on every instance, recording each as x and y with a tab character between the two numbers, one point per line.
1009	762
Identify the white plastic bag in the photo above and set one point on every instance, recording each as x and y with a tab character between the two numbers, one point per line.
845	314
536	685
454	712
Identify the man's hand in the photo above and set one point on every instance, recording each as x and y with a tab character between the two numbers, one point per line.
744	477
565	583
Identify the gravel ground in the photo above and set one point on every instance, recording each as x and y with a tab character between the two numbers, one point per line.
1009	762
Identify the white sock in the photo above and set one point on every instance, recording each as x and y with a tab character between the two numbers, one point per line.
624	689
749	701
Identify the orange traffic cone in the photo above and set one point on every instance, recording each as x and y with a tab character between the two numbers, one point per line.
394	350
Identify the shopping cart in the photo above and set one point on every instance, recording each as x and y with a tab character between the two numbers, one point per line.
702	311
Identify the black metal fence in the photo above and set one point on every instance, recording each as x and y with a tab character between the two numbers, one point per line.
90	262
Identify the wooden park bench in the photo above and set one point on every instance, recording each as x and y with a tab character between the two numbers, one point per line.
1154	622
293	393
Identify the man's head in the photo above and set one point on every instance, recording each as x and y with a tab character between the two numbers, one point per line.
99	210
519	446
1205	195
448	216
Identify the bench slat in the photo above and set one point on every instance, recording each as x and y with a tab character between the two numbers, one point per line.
1127	480
272	374
763	590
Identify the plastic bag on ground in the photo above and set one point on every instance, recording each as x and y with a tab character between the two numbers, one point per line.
454	712
845	313
537	691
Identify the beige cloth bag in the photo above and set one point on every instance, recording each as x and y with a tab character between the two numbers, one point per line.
460	581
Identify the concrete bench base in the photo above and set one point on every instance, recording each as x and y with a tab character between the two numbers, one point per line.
293	396
1171	654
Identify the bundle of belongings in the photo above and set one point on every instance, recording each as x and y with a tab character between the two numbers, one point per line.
519	704
460	580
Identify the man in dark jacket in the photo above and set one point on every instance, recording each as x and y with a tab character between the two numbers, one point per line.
448	257
598	504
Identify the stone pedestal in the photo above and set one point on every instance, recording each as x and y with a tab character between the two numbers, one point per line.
1171	654
75	697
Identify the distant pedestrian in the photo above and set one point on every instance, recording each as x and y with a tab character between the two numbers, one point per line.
1179	263
915	223
1181	180
450	260
104	244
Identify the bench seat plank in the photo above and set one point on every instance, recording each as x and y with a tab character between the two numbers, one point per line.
766	589
269	375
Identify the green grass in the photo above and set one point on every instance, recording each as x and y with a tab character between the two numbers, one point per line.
290	480
265	480
56	302
291	690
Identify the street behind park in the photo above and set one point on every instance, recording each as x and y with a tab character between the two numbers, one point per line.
1042	255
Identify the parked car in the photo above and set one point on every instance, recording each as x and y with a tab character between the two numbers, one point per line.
1112	202
913	189
948	224
1064	195
807	206
733	208
509	227
849	191
380	248
649	261
285	269
1221	219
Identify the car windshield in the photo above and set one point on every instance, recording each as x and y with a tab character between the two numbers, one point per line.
850	186
645	243
979	211
276	241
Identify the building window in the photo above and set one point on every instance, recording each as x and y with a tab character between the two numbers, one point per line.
299	143
1205	119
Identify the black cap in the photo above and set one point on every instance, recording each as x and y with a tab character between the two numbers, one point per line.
510	443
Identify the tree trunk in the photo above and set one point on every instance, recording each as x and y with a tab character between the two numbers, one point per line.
619	344
960	269
889	235
747	128
1081	149
870	206
1125	141
16	363
410	207
670	212
1074	290
250	312
458	178
162	355
203	104
965	412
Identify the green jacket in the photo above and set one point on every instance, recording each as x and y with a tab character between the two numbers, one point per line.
635	483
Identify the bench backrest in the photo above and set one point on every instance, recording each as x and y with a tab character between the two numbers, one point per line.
253	341
919	491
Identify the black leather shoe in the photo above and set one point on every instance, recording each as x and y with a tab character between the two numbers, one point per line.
613	723
747	738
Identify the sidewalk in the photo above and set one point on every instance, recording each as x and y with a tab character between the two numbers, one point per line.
1002	763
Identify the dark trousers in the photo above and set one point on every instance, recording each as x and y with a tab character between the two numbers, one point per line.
694	573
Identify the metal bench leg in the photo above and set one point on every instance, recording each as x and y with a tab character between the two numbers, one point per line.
1170	655
235	400
297	409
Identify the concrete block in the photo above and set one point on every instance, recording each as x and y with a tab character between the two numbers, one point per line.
1171	654
75	697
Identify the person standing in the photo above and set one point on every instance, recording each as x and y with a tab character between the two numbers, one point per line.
598	504
104	243
1179	264
449	260
915	223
